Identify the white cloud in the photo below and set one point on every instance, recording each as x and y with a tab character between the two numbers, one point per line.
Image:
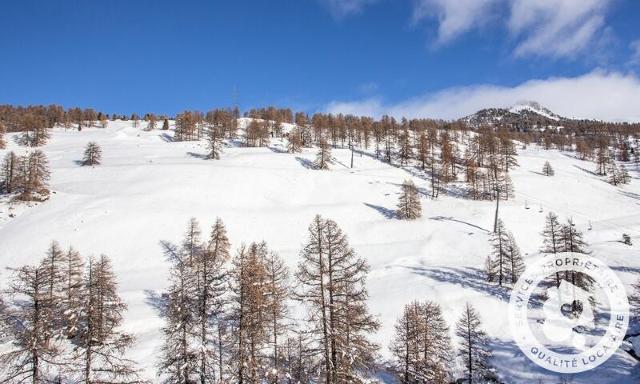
557	28
455	17
343	8
610	96
551	28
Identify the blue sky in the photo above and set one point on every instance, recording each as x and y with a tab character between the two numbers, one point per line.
434	58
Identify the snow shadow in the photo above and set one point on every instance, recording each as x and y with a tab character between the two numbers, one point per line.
472	278
511	362
443	218
157	301
633	270
452	189
387	213
305	162
423	191
278	148
197	155
632	195
586	170
167	137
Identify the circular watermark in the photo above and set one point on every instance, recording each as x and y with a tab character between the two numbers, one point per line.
563	329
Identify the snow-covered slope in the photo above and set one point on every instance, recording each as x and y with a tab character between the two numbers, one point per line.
148	187
534	107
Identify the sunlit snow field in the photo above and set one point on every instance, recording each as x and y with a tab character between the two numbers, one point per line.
148	187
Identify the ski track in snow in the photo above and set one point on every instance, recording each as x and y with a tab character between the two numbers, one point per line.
148	187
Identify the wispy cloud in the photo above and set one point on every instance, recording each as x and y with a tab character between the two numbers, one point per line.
454	17
556	28
342	8
611	96
543	28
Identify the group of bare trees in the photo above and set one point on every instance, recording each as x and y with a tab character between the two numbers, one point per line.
228	318
26	176
37	118
559	237
505	264
422	348
62	319
194	125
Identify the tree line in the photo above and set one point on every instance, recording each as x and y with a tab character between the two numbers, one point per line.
442	148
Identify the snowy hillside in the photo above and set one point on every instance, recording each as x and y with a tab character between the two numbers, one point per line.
534	107
149	186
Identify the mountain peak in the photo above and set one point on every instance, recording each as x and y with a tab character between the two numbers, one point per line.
535	107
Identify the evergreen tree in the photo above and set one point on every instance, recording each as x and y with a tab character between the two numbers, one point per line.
323	157
32	355
277	281
249	314
547	170
9	173
213	283
552	238
179	354
409	207
73	291
53	267
165	125
624	175
405	150
92	154
35	177
602	159
508	152
516	263
505	264
499	264
572	241
100	344
473	346
214	139
331	281
614	173
421	345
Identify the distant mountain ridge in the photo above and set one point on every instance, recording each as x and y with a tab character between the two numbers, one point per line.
522	116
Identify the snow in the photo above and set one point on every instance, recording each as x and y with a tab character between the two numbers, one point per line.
534	107
148	187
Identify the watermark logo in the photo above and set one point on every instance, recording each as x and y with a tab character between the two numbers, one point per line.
568	312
